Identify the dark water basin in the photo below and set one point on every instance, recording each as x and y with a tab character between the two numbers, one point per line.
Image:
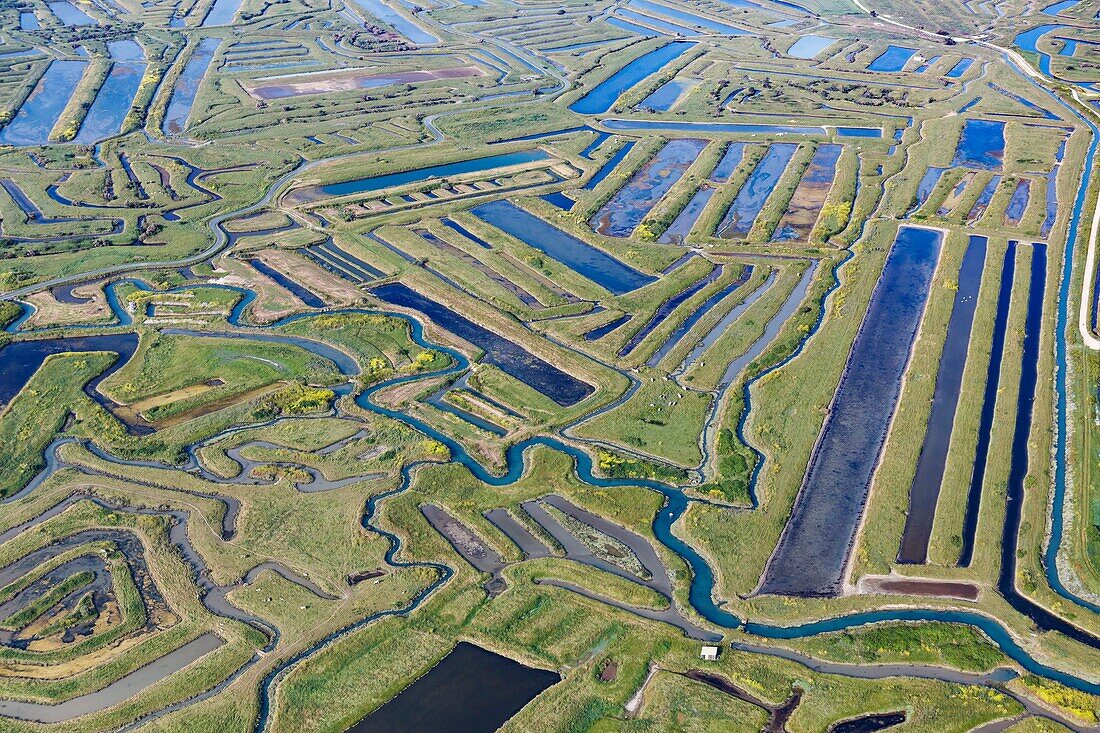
609	166
870	723
813	550
1017	205
302	293
925	489
472	690
19	360
510	358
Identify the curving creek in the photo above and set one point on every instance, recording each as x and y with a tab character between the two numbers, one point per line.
701	592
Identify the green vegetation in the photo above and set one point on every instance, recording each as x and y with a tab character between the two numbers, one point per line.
227	471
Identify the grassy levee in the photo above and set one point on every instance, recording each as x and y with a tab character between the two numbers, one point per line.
661	333
836	213
469	278
494	125
589	202
634	96
732	464
276	522
661	419
386	446
602	65
644	302
36	608
671	698
544	626
1081	542
707	372
676	355
522	275
174	240
505	388
164	365
932	643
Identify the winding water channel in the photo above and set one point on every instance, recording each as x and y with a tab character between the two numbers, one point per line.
701	591
702	587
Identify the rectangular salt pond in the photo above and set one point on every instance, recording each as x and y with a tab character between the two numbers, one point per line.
927	184
69	14
593	263
1017	205
628	207
634	28
38	114
474	165
959	69
399	22
112	103
683	16
125	50
187	87
679	229
981	145
28	22
599	100
754	194
1052	204
808	198
894	58
222	13
807	47
732	158
609	166
667	95
983	200
471	690
813	550
510	358
666	26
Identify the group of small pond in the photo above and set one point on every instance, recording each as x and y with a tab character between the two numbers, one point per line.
838	478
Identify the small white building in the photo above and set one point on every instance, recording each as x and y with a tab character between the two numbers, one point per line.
709	653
